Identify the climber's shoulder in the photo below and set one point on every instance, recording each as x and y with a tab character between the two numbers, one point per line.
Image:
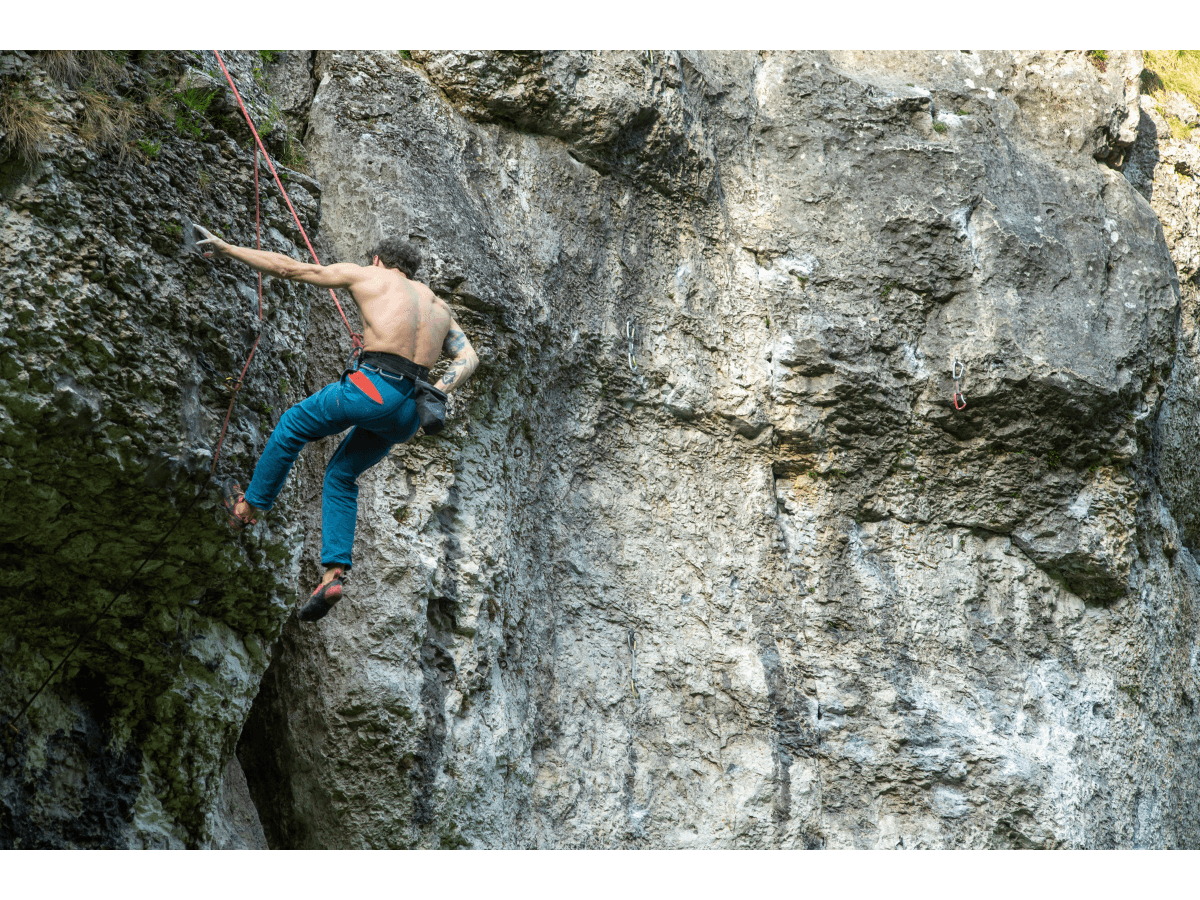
431	301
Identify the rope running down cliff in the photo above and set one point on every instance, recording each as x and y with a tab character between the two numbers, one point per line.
356	340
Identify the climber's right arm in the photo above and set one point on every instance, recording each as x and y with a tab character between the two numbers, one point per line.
338	275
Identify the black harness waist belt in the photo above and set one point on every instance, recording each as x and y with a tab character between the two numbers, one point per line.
394	364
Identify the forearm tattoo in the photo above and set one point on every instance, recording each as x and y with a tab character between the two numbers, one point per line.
453	371
463	363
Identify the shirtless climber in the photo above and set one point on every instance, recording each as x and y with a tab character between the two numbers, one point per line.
382	401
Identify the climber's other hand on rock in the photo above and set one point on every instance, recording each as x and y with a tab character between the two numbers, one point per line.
214	243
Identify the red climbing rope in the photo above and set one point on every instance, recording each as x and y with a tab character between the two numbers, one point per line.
355	338
238	385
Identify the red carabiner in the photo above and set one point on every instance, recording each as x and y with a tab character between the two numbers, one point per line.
958	395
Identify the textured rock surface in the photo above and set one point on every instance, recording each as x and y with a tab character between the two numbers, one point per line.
706	558
116	347
770	589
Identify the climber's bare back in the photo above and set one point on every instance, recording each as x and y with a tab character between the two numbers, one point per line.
400	315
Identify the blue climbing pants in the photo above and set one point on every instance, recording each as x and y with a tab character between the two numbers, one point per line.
378	408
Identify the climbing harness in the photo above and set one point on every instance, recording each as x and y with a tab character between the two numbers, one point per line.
189	244
637	698
956	372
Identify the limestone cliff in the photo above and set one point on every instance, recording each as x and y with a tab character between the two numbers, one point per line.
707	556
747	578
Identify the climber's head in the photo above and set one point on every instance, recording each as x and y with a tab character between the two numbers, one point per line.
393	253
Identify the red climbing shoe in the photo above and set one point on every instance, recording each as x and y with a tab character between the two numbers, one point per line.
323	598
233	495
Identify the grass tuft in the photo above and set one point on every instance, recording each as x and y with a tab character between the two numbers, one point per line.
1172	70
1179	129
25	121
190	108
108	120
99	69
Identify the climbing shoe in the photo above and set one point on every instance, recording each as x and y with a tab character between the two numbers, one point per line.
322	599
232	494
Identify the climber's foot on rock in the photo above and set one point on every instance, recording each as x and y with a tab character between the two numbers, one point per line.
241	514
328	592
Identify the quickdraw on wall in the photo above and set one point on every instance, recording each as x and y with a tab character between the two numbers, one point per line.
956	372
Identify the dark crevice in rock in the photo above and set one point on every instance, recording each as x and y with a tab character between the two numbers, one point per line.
83	797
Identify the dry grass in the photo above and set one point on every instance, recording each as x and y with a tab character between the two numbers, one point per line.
107	120
1181	131
97	69
1177	70
1172	70
25	121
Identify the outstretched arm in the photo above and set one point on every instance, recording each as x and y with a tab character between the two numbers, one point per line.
464	360
339	275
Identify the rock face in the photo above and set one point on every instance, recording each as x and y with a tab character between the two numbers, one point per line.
117	347
708	557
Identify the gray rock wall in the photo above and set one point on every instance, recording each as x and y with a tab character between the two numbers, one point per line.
746	578
117	347
707	557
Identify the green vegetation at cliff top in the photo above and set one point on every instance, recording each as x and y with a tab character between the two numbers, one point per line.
1172	70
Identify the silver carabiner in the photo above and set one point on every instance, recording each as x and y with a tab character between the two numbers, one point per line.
957	369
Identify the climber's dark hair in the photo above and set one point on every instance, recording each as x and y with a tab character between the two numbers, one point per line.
397	254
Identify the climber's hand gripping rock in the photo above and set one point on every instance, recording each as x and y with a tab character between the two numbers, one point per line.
215	244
